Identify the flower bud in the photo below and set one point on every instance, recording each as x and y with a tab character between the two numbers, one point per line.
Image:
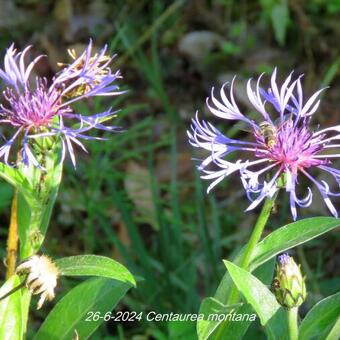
289	285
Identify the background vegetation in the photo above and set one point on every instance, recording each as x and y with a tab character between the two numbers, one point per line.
137	197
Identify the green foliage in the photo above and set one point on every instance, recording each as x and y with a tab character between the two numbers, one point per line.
75	314
290	236
208	307
321	318
278	12
182	330
93	265
16	178
335	331
37	191
280	20
278	241
271	314
11	325
231	329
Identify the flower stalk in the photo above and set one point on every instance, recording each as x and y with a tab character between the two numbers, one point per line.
253	240
293	323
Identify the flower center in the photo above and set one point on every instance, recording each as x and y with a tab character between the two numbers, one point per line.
32	109
294	147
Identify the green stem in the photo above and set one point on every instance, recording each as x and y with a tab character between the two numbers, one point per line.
253	240
293	323
33	219
32	237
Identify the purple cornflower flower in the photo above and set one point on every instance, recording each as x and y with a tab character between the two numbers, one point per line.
282	146
39	110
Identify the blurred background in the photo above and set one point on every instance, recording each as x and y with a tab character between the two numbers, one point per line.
138	197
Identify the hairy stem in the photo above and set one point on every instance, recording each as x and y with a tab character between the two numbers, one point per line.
12	240
293	323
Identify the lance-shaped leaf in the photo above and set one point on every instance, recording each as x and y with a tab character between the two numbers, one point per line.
71	317
271	314
206	327
93	265
320	318
291	235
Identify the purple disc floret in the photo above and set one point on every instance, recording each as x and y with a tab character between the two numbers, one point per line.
282	145
37	109
283	259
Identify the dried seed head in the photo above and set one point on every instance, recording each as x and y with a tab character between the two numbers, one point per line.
42	275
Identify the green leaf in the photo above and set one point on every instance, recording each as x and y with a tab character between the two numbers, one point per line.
36	203
280	20
280	240
93	265
11	326
271	314
236	330
322	316
334	334
181	330
16	178
23	220
211	308
291	235
48	196
70	314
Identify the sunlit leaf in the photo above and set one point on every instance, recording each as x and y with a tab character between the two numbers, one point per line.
93	265
334	333
236	330
271	314
74	313
11	326
291	235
